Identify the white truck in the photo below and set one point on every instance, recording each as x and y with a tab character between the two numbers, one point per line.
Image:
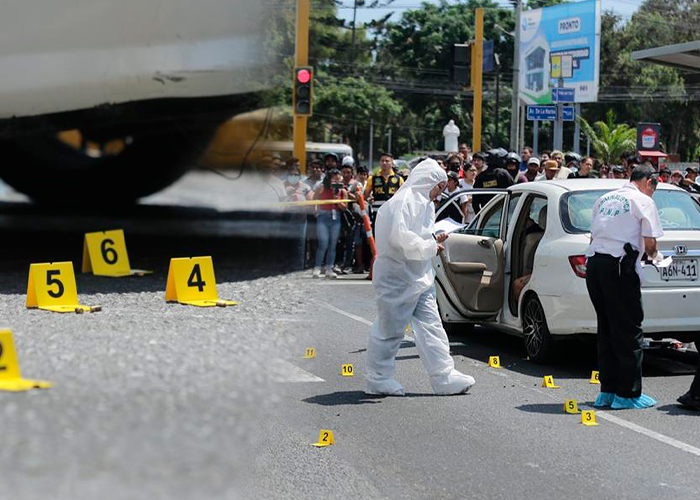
106	101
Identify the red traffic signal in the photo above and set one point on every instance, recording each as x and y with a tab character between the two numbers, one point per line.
303	80
303	76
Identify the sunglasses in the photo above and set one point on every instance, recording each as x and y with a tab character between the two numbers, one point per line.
454	164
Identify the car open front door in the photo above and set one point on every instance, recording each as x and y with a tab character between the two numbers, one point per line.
473	261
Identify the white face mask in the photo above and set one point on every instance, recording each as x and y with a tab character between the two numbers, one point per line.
293	179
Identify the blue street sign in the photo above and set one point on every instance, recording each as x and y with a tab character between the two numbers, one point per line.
563	95
488	56
549	113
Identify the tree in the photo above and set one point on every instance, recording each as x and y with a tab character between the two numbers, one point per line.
608	139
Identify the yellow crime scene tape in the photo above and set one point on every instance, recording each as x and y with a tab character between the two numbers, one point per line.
311	202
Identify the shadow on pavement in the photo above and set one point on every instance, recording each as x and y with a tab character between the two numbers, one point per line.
573	358
546	408
342	398
678	409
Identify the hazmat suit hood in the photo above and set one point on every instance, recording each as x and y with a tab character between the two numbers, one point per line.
405	244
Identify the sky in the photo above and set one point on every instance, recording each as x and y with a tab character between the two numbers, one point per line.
623	7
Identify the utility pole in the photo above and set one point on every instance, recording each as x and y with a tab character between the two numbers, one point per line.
478	77
371	144
352	51
515	109
498	91
388	148
559	122
301	58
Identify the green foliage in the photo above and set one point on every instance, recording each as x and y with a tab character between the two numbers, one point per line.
610	140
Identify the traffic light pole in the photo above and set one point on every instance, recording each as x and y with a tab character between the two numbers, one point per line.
515	109
301	58
478	77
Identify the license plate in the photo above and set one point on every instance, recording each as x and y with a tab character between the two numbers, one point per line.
680	270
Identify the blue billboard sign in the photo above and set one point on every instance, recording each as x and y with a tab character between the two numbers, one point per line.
549	113
562	41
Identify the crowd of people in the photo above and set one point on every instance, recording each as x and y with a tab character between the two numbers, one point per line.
336	240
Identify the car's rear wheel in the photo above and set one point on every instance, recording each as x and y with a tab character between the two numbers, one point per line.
539	343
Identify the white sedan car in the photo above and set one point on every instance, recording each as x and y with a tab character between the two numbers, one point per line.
539	231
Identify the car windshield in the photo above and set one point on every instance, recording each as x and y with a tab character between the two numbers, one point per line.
677	210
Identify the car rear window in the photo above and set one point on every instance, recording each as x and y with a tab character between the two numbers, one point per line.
677	210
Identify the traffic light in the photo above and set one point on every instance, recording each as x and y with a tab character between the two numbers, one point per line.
462	64
303	80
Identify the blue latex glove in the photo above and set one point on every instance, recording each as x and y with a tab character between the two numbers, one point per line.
642	401
604	399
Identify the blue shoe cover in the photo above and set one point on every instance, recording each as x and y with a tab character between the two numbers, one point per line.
642	401
604	399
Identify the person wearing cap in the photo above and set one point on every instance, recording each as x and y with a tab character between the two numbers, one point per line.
619	172
691	173
331	161
585	169
676	177
382	185
513	168
551	169
348	161
625	225
533	169
665	174
495	176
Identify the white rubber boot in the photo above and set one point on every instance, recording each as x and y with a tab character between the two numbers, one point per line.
454	382
387	387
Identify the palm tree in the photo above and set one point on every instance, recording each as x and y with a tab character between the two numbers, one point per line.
608	139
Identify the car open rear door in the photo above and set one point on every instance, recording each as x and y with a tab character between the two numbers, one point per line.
473	260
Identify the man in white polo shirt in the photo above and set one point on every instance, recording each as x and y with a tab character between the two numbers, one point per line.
625	225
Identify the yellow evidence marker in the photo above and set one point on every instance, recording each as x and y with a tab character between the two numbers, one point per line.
310	353
548	382
191	281
52	288
595	377
325	438
104	254
347	370
588	418
494	361
570	406
10	376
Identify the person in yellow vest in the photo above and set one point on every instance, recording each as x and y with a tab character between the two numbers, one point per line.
382	185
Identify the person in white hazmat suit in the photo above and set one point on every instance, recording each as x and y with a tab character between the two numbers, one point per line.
403	280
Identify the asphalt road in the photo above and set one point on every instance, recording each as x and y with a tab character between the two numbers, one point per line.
161	401
507	438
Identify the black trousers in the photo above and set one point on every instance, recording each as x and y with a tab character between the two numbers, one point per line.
618	304
695	386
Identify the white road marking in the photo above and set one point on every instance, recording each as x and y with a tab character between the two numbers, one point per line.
284	371
611	418
648	432
345	282
357	318
347	314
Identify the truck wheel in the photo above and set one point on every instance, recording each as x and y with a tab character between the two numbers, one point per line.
51	171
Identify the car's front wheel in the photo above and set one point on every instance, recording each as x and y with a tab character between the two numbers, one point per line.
539	343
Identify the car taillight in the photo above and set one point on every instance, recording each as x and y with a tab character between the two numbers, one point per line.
578	265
